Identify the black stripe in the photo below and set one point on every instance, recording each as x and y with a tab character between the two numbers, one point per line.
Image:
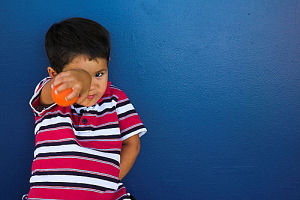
108	100
75	105
124	197
81	185
34	99
74	173
114	152
71	153
120	186
132	130
55	144
126	113
94	112
98	137
55	126
100	103
52	116
90	128
123	103
58	113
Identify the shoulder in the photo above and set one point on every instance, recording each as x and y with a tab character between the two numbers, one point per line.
117	92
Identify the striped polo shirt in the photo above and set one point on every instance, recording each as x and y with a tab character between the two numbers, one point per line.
77	148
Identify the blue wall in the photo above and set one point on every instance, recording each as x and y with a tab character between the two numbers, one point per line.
215	82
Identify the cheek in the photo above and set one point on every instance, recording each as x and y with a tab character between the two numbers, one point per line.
101	87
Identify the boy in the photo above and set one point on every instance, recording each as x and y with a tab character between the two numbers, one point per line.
82	151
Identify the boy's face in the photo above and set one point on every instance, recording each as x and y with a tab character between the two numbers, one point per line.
98	70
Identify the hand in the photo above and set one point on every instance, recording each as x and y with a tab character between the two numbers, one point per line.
77	79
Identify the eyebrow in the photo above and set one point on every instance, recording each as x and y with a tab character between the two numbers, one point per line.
101	70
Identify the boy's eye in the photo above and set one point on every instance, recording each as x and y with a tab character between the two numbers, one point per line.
99	74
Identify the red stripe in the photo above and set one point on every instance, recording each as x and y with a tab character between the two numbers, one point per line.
68	134
102	144
75	163
55	135
129	121
73	194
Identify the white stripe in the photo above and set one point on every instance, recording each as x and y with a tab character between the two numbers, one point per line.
101	132
115	87
111	97
55	129
97	107
123	196
73	179
97	126
141	132
53	121
75	148
131	127
121	101
125	117
37	93
124	108
61	140
52	113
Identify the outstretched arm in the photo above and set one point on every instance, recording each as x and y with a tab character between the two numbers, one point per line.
77	79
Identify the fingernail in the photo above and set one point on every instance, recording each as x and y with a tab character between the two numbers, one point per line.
55	91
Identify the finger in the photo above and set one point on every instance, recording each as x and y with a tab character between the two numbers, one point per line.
82	98
79	101
60	78
62	87
75	92
57	81
72	95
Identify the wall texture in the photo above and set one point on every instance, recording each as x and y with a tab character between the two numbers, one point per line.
215	82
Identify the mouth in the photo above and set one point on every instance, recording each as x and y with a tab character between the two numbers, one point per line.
90	97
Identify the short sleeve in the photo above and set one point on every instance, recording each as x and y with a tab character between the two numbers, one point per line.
129	121
35	99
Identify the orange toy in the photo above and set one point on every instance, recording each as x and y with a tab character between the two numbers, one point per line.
60	98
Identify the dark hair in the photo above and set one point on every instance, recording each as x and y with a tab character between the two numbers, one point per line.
76	36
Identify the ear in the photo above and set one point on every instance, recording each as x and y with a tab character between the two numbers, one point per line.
52	73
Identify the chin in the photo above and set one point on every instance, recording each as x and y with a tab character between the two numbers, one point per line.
90	103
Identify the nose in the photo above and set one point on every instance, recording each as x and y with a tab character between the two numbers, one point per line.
92	84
